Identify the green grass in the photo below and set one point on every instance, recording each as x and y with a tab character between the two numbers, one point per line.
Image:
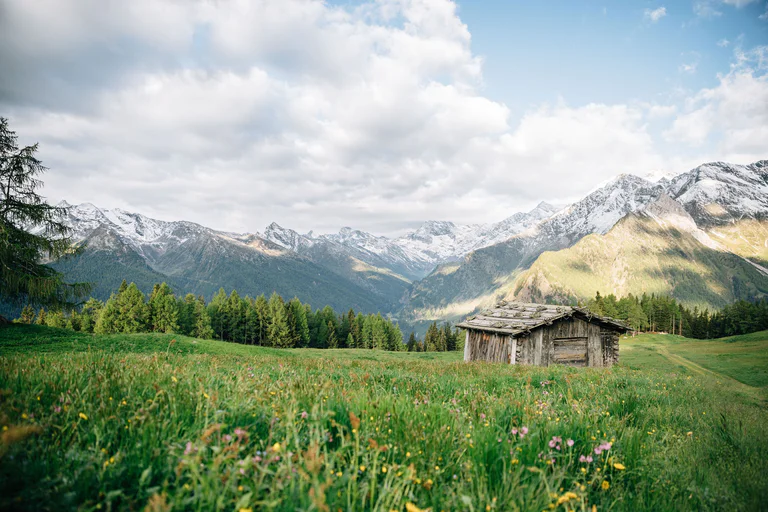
119	422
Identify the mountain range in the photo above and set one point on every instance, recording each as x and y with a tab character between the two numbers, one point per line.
701	236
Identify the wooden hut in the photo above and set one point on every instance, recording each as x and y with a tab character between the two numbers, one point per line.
540	334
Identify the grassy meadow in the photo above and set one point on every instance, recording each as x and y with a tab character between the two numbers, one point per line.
161	422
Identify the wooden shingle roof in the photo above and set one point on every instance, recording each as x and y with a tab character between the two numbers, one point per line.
518	318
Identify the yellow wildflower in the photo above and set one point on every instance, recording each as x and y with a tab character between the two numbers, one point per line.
605	485
246	510
83	416
174	379
276	447
362	468
619	466
410	507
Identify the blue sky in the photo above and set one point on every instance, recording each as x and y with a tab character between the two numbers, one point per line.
376	114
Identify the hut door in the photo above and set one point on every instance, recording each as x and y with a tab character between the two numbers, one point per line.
570	351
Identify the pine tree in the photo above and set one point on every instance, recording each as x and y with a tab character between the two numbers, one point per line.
107	321
411	342
217	311
163	310
431	339
90	314
450	339
22	275
262	320
27	314
236	317
279	333
350	341
55	319
300	327
132	311
40	320
333	342
202	321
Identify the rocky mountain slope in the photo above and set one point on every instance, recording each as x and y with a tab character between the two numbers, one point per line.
716	215
719	197
658	249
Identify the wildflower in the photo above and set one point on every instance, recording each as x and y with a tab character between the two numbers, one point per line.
174	379
227	438
57	409
523	431
190	448
689	434
384	469
619	466
240	433
569	442
83	416
276	447
605	485
304	415
246	510
514	431
410	507
362	468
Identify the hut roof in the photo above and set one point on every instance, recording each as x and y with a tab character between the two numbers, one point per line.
518	318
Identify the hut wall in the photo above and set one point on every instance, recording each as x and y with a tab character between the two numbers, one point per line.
485	346
572	341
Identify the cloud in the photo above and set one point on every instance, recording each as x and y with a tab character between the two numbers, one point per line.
655	14
764	16
692	63
240	113
706	9
723	43
738	3
733	116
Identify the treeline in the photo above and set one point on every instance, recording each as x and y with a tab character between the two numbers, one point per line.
269	322
652	313
437	339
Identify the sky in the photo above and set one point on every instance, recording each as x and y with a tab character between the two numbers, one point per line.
375	114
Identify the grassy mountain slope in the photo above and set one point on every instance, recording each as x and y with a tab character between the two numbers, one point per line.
643	253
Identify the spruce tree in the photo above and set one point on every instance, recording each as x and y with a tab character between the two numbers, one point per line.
300	327
350	341
27	315
411	346
40	320
333	342
107	321
279	333
217	311
202	321
132	311
262	320
90	314
163	310
31	231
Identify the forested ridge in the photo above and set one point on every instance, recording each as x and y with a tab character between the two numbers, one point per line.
659	313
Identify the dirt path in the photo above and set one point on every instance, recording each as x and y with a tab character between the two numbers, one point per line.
700	370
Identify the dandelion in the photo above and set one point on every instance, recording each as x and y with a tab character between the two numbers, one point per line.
83	416
605	485
619	466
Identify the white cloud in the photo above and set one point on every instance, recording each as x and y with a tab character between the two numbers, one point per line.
733	115
738	3
706	9
723	43
240	113
764	16
655	14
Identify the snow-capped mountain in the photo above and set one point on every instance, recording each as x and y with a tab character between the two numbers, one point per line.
462	263
712	194
718	192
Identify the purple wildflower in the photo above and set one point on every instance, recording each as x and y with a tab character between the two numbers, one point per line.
569	442
190	449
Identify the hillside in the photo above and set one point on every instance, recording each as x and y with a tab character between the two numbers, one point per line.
657	250
122	422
